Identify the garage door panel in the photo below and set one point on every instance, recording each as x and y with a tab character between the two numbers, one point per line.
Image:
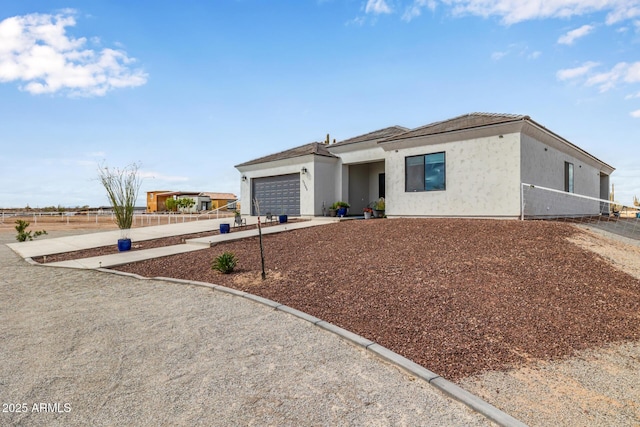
277	194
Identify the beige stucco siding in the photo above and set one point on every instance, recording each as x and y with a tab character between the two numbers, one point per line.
316	186
544	166
279	167
323	179
482	179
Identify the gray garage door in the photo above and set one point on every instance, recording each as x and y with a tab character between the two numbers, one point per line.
277	194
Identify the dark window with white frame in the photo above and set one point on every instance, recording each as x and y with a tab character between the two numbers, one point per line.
568	177
425	172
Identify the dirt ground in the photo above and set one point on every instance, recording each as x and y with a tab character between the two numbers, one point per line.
90	222
538	318
621	255
460	297
86	348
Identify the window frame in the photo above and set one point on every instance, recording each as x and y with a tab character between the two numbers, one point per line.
569	177
424	173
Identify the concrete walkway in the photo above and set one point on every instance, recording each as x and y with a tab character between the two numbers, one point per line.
42	247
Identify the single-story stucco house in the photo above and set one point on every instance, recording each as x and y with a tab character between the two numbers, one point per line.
469	166
156	200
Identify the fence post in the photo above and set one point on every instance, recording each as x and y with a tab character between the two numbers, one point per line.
521	201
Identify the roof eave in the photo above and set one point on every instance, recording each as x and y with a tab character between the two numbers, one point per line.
407	135
244	166
604	167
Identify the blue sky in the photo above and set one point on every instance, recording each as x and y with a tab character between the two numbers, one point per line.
189	89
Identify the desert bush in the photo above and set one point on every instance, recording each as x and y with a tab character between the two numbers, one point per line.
122	186
225	263
23	234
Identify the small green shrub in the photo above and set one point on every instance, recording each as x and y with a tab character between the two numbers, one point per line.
23	234
225	263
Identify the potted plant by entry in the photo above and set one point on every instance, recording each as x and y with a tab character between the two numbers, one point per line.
282	218
367	213
122	187
378	208
333	209
343	208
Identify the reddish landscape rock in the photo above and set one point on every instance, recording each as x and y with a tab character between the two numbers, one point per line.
458	296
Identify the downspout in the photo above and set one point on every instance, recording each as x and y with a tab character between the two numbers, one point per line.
522	201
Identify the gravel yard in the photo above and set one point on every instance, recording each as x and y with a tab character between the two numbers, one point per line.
85	348
460	297
540	319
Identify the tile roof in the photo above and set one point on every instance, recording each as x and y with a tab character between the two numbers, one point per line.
213	196
316	148
179	193
477	120
221	196
465	121
377	134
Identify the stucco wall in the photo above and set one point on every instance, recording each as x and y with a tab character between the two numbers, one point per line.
359	153
543	165
280	167
482	179
323	178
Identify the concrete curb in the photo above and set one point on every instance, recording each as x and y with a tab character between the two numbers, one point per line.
403	362
447	387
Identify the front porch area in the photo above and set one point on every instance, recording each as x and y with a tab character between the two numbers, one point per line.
365	185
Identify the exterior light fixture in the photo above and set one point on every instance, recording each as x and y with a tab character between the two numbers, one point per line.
303	170
244	178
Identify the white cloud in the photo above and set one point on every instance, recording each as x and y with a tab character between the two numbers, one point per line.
162	177
35	50
415	9
518	49
97	154
620	72
633	73
635	114
573	35
572	73
377	7
496	56
358	20
629	11
513	11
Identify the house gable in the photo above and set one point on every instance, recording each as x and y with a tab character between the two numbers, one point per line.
372	136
